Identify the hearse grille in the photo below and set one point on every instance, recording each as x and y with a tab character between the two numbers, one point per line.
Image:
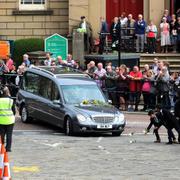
103	119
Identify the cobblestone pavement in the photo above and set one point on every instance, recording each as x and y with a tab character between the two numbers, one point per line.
40	152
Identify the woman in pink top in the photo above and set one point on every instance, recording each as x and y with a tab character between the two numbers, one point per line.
165	35
10	63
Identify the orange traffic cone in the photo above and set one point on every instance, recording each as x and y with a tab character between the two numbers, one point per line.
2	160
0	142
6	171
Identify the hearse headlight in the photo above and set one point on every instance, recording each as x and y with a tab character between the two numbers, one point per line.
81	118
119	118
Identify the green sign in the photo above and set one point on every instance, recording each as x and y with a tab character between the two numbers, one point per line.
57	45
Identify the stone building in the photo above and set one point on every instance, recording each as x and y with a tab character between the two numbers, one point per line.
41	18
38	18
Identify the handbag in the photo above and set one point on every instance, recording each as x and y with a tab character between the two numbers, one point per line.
146	87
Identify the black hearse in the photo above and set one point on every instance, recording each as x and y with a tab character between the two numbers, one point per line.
67	98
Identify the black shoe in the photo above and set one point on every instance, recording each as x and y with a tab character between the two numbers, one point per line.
8	150
170	142
175	141
157	141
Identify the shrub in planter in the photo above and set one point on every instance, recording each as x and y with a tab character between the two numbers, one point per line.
23	46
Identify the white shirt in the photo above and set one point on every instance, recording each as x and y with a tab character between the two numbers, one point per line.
83	25
124	21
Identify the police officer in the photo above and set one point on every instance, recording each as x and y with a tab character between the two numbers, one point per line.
7	117
169	121
177	107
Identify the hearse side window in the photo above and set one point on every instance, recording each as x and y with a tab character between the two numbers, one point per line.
45	86
55	92
31	82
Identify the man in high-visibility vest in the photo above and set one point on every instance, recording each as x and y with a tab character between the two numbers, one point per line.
7	117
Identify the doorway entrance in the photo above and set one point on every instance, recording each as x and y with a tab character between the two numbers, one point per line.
116	7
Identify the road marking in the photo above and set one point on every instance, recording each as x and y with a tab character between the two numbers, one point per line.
103	149
17	169
99	140
52	145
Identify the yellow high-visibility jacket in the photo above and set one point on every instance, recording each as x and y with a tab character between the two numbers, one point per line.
6	114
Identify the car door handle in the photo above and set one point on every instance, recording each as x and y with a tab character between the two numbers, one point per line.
55	107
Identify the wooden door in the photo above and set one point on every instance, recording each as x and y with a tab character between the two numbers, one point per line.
116	7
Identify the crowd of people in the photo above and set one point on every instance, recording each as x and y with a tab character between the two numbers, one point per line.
124	87
145	33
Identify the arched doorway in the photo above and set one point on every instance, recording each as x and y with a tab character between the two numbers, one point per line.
116	7
175	7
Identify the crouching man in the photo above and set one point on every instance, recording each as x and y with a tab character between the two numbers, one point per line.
154	121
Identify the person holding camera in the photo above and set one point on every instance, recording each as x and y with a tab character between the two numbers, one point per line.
7	117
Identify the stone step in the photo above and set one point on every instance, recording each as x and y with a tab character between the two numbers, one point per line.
172	58
169	60
160	55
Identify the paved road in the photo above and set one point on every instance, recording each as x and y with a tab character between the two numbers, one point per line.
40	152
136	122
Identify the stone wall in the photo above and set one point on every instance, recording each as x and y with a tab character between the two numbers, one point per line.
92	9
16	25
61	17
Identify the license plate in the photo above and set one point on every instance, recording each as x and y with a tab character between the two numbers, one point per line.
104	126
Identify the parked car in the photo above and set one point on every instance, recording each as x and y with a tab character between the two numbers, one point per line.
69	99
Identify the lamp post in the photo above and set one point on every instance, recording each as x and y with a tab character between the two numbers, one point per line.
119	44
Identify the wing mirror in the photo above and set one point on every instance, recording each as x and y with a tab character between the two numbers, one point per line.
57	102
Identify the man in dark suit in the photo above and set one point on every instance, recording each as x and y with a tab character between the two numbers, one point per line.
87	29
177	107
114	31
169	121
102	35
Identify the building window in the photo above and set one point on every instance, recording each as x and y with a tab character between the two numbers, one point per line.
32	4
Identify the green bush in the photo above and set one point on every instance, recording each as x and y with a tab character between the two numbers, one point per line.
23	46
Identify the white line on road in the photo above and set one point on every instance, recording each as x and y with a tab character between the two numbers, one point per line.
99	140
103	149
52	145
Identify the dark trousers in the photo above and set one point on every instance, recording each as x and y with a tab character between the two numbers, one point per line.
151	45
171	135
87	43
134	98
111	94
6	130
101	44
157	134
146	99
164	100
176	126
178	43
152	101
